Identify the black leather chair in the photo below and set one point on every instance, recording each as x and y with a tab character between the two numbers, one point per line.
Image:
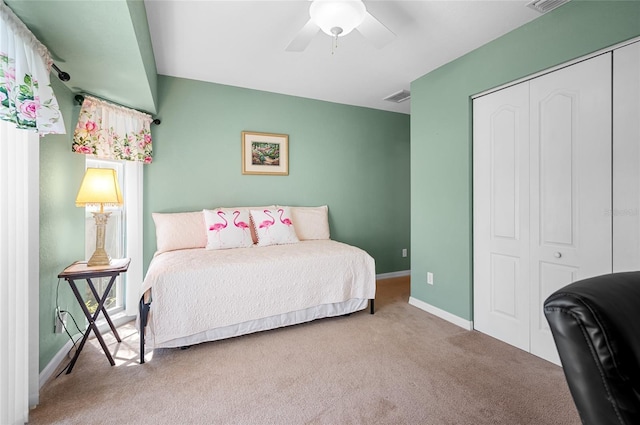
596	326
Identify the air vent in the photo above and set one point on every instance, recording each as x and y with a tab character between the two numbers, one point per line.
544	6
398	97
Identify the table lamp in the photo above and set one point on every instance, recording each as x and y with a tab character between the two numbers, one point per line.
99	187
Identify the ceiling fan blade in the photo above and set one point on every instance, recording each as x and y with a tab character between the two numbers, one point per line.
375	31
303	38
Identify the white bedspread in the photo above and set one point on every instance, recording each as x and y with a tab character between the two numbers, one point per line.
197	290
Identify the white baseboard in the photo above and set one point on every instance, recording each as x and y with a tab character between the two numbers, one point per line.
56	361
459	321
61	356
118	320
390	275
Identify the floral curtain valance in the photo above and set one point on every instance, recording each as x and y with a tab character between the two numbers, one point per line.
110	131
26	96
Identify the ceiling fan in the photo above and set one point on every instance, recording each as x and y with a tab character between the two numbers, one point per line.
338	18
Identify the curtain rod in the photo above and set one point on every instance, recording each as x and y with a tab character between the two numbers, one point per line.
80	98
64	76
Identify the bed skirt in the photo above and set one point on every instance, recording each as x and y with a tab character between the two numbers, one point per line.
272	322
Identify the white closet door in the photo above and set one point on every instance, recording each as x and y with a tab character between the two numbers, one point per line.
570	152
501	214
626	158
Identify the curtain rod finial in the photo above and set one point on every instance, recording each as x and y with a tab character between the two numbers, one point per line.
79	98
156	121
63	76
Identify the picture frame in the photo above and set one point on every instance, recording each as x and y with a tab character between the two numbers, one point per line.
265	153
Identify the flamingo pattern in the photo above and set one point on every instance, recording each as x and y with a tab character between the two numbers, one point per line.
285	220
221	234
272	231
266	224
240	224
217	227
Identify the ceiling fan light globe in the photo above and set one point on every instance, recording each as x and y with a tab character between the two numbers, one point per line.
343	14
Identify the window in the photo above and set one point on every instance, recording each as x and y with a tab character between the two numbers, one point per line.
113	244
123	238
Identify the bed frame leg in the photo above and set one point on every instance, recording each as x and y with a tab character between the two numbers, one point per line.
371	305
144	313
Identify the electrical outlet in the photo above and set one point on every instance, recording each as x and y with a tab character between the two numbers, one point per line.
60	322
404	252
430	278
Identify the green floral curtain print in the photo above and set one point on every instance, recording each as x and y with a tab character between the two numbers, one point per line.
109	131
26	96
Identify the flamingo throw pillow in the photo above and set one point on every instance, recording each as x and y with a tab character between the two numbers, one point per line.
274	226
227	228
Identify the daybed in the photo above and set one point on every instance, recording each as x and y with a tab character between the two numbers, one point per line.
229	272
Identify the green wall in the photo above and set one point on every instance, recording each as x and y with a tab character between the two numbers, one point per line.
356	160
61	224
441	128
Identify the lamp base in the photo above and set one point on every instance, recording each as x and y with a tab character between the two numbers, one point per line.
99	258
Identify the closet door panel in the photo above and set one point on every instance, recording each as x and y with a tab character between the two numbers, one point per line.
626	158
501	217
570	184
556	153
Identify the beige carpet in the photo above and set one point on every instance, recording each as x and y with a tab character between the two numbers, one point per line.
399	366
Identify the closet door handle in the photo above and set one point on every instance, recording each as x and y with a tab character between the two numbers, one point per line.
557	254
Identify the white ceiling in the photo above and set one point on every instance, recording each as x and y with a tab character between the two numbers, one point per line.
242	43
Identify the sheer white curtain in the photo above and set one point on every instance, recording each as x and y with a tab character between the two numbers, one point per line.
19	272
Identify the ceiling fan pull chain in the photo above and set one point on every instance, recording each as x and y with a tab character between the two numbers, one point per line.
336	31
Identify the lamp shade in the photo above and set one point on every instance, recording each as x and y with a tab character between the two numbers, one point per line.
344	15
99	187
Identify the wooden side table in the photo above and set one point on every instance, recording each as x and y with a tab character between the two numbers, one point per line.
80	270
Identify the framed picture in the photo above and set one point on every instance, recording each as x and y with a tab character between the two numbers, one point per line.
265	153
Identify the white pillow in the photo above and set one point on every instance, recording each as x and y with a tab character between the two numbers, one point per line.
179	231
254	237
227	228
274	226
311	222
